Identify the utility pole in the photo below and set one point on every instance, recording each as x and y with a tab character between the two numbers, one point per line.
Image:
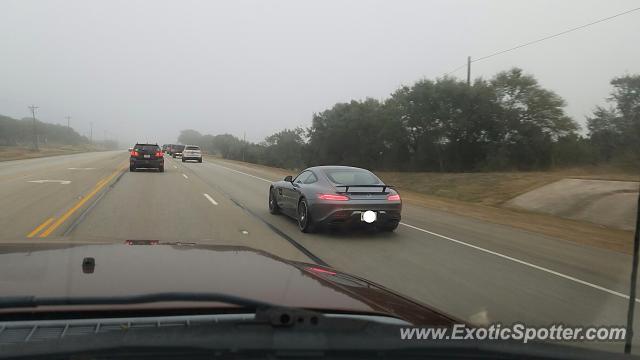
634	281
468	70
35	134
244	143
91	133
69	129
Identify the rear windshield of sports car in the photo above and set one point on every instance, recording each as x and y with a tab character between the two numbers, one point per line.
351	177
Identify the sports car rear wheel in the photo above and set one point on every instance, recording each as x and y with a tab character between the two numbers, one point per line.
305	222
273	205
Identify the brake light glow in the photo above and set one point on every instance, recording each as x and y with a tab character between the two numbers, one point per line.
333	197
321	271
394	197
159	153
134	153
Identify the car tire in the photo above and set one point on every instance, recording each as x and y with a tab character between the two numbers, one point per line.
199	160
132	168
183	160
305	222
273	205
161	169
389	227
173	156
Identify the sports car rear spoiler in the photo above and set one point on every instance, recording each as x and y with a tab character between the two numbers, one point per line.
346	190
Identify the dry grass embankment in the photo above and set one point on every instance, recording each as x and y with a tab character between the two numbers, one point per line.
495	188
480	196
24	152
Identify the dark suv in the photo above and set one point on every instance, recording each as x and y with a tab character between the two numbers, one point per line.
146	156
176	150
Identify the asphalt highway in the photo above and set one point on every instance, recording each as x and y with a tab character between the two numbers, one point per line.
477	271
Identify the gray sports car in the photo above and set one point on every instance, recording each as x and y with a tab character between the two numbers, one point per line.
336	195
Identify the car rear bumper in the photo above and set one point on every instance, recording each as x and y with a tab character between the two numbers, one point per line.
191	157
146	163
339	213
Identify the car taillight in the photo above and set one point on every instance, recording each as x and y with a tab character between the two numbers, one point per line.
159	153
333	197
394	197
134	153
321	271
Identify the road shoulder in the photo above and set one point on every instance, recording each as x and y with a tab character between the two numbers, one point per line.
564	229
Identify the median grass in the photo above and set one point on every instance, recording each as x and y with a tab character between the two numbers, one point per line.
26	152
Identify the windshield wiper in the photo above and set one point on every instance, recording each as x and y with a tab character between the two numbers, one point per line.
34	301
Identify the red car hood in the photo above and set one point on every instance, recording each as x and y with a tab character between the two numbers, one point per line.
120	270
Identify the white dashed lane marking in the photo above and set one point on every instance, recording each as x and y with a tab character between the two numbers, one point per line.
210	199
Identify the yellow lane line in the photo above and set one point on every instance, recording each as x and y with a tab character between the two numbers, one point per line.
101	182
40	227
79	204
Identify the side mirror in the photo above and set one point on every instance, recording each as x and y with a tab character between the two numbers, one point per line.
288	178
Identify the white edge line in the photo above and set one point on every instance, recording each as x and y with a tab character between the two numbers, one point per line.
185	176
210	199
537	267
506	257
243	173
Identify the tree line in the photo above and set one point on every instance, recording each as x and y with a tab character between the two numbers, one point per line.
14	132
509	122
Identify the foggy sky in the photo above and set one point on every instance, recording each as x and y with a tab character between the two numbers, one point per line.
143	70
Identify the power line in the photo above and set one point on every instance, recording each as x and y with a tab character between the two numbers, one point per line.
556	35
544	38
456	69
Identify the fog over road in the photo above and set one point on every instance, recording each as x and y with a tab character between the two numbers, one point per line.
474	270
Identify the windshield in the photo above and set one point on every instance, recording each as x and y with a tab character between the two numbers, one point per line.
436	163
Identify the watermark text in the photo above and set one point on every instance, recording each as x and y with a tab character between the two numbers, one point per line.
516	332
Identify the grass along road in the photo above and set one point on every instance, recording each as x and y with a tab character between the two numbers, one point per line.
24	152
487	207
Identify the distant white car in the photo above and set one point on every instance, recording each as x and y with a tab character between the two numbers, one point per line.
191	152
